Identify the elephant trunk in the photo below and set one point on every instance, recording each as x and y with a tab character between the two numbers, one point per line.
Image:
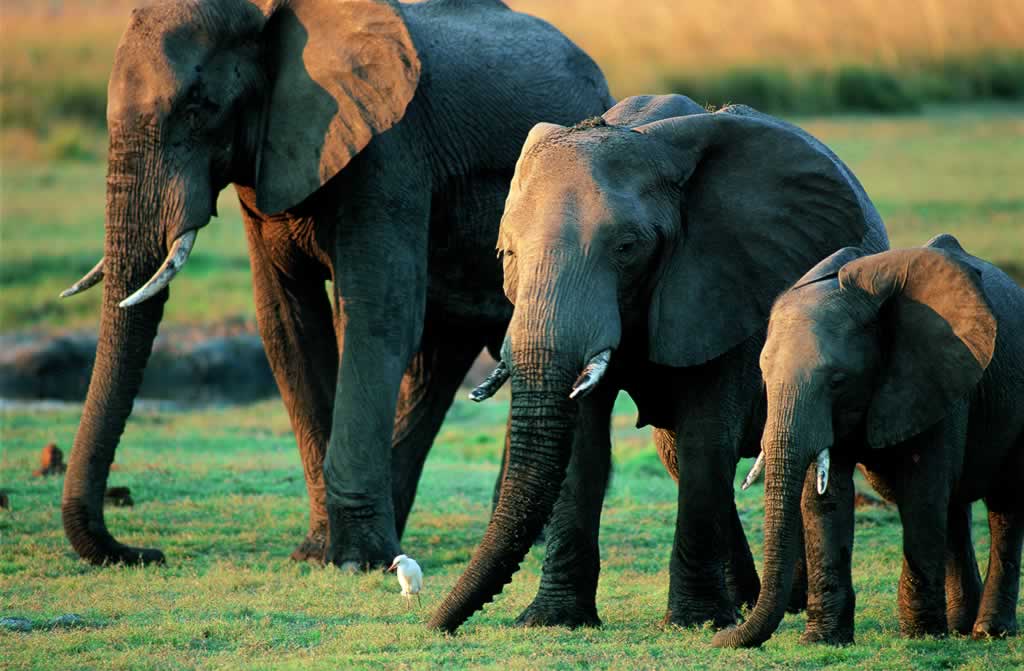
133	251
552	335
541	425
787	462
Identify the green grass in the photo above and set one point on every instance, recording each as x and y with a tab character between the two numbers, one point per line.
953	169
221	492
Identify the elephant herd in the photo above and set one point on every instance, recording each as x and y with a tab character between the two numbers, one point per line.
724	268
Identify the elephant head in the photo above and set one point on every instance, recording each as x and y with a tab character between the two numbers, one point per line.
658	228
865	347
277	96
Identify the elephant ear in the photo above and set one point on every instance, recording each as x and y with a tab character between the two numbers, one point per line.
341	72
938	332
762	202
639	110
828	268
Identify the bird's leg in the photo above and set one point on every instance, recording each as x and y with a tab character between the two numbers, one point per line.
419	603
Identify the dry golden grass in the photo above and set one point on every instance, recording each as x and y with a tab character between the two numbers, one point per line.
637	43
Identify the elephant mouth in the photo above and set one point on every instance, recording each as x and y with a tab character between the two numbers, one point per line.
587	381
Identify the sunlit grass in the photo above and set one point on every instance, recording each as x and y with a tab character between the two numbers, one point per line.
221	492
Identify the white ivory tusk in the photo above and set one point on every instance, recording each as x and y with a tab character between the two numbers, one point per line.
591	375
491	384
175	261
823	463
89	280
755	472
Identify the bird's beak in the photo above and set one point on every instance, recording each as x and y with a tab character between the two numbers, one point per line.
392	568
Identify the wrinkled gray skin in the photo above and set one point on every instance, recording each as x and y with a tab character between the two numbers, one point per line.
910	362
371	144
661	233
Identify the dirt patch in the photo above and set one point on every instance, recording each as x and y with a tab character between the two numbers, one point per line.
222	363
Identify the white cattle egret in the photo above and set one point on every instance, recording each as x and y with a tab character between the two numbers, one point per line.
410	577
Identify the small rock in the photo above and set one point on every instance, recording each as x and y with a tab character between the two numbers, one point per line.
15	624
119	497
68	621
51	461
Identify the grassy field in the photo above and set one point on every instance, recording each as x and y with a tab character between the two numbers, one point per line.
221	492
953	170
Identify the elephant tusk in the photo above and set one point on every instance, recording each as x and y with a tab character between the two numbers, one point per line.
491	385
176	259
755	472
591	375
823	463
89	280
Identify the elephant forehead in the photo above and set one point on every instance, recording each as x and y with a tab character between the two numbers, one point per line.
163	48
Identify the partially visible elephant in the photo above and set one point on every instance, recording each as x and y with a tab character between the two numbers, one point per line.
911	363
645	248
371	145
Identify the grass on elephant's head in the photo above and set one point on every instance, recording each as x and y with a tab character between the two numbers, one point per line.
221	492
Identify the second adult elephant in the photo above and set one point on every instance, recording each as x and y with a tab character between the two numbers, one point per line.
645	249
371	144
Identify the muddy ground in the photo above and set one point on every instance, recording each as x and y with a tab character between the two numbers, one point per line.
215	364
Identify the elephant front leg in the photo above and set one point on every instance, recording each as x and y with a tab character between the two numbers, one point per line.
380	296
295	323
428	388
568	584
828	540
963	582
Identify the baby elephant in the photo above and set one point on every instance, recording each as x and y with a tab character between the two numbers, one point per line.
911	363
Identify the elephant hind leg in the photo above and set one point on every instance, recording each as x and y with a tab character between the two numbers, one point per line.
963	582
296	325
997	614
741	579
428	389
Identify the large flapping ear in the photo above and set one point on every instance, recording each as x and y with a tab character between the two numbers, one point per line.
938	333
341	72
639	110
762	202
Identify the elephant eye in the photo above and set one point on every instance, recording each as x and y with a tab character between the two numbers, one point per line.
625	247
837	379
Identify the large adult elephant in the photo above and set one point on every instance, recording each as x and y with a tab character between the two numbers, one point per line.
370	144
645	248
911	363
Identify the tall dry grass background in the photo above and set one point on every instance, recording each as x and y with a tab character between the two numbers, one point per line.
782	55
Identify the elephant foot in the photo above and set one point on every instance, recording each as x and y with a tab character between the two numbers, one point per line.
797	598
313	548
922	628
841	637
720	617
362	538
551	613
129	556
960	621
994	629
